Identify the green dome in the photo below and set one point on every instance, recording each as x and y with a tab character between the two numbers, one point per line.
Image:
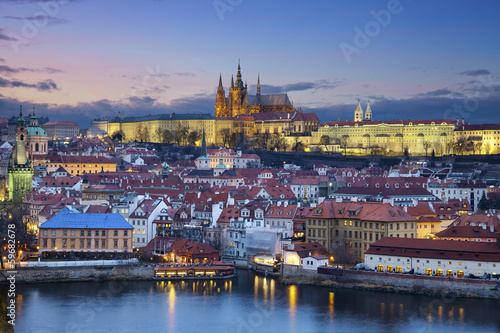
36	131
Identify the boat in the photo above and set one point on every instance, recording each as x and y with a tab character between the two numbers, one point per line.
215	272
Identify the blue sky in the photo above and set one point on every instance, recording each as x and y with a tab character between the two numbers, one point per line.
82	59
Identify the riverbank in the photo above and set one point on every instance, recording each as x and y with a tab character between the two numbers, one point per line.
60	274
400	284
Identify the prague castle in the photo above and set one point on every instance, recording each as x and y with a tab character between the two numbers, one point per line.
240	102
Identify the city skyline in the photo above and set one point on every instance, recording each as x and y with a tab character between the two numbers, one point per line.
80	60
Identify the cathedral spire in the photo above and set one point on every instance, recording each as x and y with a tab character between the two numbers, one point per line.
220	81
204	145
239	82
232	81
258	85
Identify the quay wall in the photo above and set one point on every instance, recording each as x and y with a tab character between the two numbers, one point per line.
404	283
27	275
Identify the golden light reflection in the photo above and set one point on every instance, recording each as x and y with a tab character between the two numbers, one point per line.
450	316
256	287
461	314
391	311
271	291
292	299
171	308
331	304
440	313
401	310
265	288
382	309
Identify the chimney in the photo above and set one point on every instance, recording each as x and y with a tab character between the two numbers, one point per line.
492	228
285	204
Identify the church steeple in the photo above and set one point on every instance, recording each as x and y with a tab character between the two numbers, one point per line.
204	145
368	112
20	171
358	113
34	119
258	86
220	81
232	81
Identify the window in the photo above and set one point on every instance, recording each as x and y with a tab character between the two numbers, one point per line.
88	233
53	233
65	232
115	243
125	243
64	243
115	233
45	232
97	233
103	233
82	233
96	243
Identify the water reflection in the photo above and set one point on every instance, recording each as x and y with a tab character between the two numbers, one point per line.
254	303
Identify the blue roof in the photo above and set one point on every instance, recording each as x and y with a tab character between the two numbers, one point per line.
72	220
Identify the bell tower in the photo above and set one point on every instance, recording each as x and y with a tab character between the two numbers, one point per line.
20	171
358	113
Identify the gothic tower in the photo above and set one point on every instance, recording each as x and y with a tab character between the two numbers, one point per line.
220	101
258	89
237	94
368	112
358	113
20	171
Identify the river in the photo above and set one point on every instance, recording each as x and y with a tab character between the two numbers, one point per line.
249	303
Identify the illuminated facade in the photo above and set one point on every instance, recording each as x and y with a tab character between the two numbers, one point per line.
478	139
366	137
357	225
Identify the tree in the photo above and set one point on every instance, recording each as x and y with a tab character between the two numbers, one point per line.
343	143
459	146
14	221
193	137
158	135
225	136
181	133
120	135
325	141
426	144
342	252
167	136
484	204
142	134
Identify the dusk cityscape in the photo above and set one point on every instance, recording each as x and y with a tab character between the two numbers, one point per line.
249	166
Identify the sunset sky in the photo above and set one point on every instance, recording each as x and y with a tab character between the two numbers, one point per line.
82	59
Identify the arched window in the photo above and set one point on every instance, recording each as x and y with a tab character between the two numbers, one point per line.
36	147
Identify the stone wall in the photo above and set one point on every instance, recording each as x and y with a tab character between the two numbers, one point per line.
297	271
403	282
420	282
80	273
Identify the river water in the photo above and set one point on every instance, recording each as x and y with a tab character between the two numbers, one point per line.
249	303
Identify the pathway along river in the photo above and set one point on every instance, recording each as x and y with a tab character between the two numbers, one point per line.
249	303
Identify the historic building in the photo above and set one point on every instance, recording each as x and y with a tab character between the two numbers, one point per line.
356	225
364	136
477	139
73	231
240	102
61	129
20	170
